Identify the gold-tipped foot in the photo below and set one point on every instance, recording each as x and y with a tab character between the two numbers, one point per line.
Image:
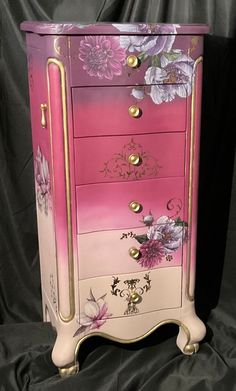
68	371
191	348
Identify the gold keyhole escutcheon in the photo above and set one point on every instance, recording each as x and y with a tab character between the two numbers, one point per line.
135	206
135	159
134	253
43	108
133	61
135	111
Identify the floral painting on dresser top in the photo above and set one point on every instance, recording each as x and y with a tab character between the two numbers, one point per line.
169	69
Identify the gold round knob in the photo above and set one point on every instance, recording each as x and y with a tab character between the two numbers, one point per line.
135	111
135	298
135	159
134	253
133	61
135	206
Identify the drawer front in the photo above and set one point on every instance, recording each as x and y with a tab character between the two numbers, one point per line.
101	111
155	290
106	253
105	60
107	206
127	158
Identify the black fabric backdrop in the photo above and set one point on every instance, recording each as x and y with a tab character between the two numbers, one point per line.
154	363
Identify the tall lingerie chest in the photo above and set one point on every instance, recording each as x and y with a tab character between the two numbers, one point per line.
115	113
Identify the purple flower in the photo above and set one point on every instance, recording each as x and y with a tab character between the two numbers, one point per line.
149	44
102	56
170	233
152	252
42	178
171	79
95	314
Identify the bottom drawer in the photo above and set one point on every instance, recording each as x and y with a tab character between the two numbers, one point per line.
128	294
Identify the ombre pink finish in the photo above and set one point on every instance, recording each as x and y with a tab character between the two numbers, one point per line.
102	207
102	244
85	181
107	113
108	157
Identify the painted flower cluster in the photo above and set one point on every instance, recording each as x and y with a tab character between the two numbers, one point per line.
164	237
95	314
169	71
43	183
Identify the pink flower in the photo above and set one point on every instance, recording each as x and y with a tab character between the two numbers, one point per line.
42	178
95	314
102	56
152	252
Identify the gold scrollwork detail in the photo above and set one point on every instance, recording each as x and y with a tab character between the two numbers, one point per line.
133	293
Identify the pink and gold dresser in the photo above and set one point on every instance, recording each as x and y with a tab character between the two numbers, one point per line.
115	111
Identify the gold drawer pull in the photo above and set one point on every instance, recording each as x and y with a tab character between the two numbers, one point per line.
134	253
135	159
135	111
135	298
133	61
135	207
43	108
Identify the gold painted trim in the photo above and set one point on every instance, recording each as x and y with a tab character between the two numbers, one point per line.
68	191
191	174
186	349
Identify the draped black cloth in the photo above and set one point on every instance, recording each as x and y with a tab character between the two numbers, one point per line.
154	363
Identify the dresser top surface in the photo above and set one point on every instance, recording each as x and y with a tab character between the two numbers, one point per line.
74	28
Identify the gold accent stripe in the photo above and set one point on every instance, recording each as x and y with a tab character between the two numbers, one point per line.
68	191
191	175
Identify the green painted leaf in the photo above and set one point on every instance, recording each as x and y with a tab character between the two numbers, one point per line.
143	57
80	330
179	222
141	238
156	61
171	56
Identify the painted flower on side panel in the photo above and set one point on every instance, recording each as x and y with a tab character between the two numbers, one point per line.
43	183
102	56
95	314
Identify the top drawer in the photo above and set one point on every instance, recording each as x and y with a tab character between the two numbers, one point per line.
130	59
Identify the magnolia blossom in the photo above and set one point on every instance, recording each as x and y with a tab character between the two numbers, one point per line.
151	44
167	232
42	178
102	56
95	314
171	79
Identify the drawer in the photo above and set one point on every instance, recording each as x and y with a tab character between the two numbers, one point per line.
124	158
153	291
106	206
105	60
101	111
107	253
